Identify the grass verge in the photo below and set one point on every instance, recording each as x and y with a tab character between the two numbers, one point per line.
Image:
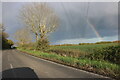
100	67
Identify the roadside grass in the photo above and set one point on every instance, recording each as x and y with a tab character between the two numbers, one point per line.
100	67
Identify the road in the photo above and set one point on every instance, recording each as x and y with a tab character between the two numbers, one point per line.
21	65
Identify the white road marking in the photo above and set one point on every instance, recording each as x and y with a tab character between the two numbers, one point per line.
11	66
67	66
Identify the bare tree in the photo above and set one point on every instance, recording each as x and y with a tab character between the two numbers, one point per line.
2	32
2	27
40	19
23	36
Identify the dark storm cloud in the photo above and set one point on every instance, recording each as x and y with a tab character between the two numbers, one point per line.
73	22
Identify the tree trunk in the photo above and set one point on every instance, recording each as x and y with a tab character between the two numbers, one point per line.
36	37
42	37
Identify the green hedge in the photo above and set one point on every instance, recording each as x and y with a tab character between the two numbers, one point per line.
111	54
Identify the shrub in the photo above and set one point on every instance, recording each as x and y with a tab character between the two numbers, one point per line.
6	44
30	46
42	44
103	42
69	53
111	54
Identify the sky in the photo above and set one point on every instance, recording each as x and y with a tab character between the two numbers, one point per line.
80	22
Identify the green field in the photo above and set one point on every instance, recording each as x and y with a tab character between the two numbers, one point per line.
78	50
84	48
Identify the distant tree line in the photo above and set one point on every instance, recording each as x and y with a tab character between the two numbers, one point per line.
102	42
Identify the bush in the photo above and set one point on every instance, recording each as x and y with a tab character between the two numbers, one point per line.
30	46
10	42
103	42
69	53
6	44
111	54
42	44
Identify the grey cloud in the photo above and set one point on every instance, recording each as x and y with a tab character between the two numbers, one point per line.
102	15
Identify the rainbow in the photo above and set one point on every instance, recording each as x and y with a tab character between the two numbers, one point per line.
95	31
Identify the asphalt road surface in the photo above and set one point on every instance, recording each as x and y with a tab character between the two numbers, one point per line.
21	65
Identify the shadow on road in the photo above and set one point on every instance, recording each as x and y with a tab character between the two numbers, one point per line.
19	73
8	48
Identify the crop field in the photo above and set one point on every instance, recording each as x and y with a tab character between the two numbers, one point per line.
84	48
78	50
